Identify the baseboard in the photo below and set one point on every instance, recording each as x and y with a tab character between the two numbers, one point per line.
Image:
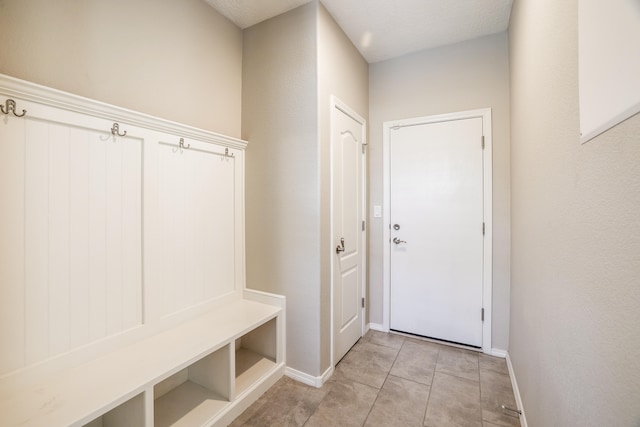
496	352
377	327
309	379
516	391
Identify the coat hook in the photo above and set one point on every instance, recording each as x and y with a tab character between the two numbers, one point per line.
115	130
182	144
226	153
10	107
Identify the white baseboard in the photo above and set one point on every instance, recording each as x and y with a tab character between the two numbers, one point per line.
309	379
496	352
377	327
516	391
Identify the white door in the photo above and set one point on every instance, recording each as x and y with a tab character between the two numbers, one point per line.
347	139
436	219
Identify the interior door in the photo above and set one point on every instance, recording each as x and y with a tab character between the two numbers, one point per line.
347	159
437	226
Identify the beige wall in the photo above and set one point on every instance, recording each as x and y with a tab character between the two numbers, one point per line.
179	60
279	119
342	72
575	293
293	63
464	76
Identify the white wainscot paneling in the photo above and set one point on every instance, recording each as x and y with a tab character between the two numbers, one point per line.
115	249
70	256
196	213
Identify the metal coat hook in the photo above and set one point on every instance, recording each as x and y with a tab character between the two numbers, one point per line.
227	155
115	130
10	107
181	145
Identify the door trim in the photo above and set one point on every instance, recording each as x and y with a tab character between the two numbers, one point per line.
487	282
338	104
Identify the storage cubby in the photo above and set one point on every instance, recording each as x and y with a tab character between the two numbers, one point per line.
256	353
196	394
128	414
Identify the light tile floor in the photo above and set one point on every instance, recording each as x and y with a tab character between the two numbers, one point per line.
389	380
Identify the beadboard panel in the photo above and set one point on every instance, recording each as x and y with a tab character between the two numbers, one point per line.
197	210
71	259
12	271
107	240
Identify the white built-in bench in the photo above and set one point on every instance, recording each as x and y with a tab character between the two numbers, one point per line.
203	372
123	299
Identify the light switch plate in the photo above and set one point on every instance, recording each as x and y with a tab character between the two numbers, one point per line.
377	211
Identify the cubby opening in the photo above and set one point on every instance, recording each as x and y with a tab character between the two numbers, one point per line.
128	414
256	353
196	394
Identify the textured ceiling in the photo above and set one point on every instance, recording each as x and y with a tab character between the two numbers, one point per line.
385	29
245	13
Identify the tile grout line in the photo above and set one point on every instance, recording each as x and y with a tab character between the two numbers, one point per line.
385	380
433	377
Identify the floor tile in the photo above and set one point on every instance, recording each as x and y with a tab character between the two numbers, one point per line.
288	403
369	365
453	401
255	406
416	361
459	362
496	390
491	363
347	404
381	383
385	339
400	403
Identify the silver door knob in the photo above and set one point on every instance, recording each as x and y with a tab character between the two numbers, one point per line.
398	241
340	247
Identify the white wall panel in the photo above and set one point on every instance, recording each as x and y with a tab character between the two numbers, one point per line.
113	233
59	238
71	262
36	286
131	250
12	316
196	208
97	239
78	237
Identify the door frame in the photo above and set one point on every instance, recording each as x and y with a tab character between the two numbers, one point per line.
487	275
339	105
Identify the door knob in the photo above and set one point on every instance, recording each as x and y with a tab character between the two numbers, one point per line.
398	241
340	247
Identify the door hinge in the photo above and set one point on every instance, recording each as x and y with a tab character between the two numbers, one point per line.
482	142
362	302
364	147
483	228
482	314
363	225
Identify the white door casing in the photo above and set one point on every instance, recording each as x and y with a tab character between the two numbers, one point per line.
348	133
435	249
